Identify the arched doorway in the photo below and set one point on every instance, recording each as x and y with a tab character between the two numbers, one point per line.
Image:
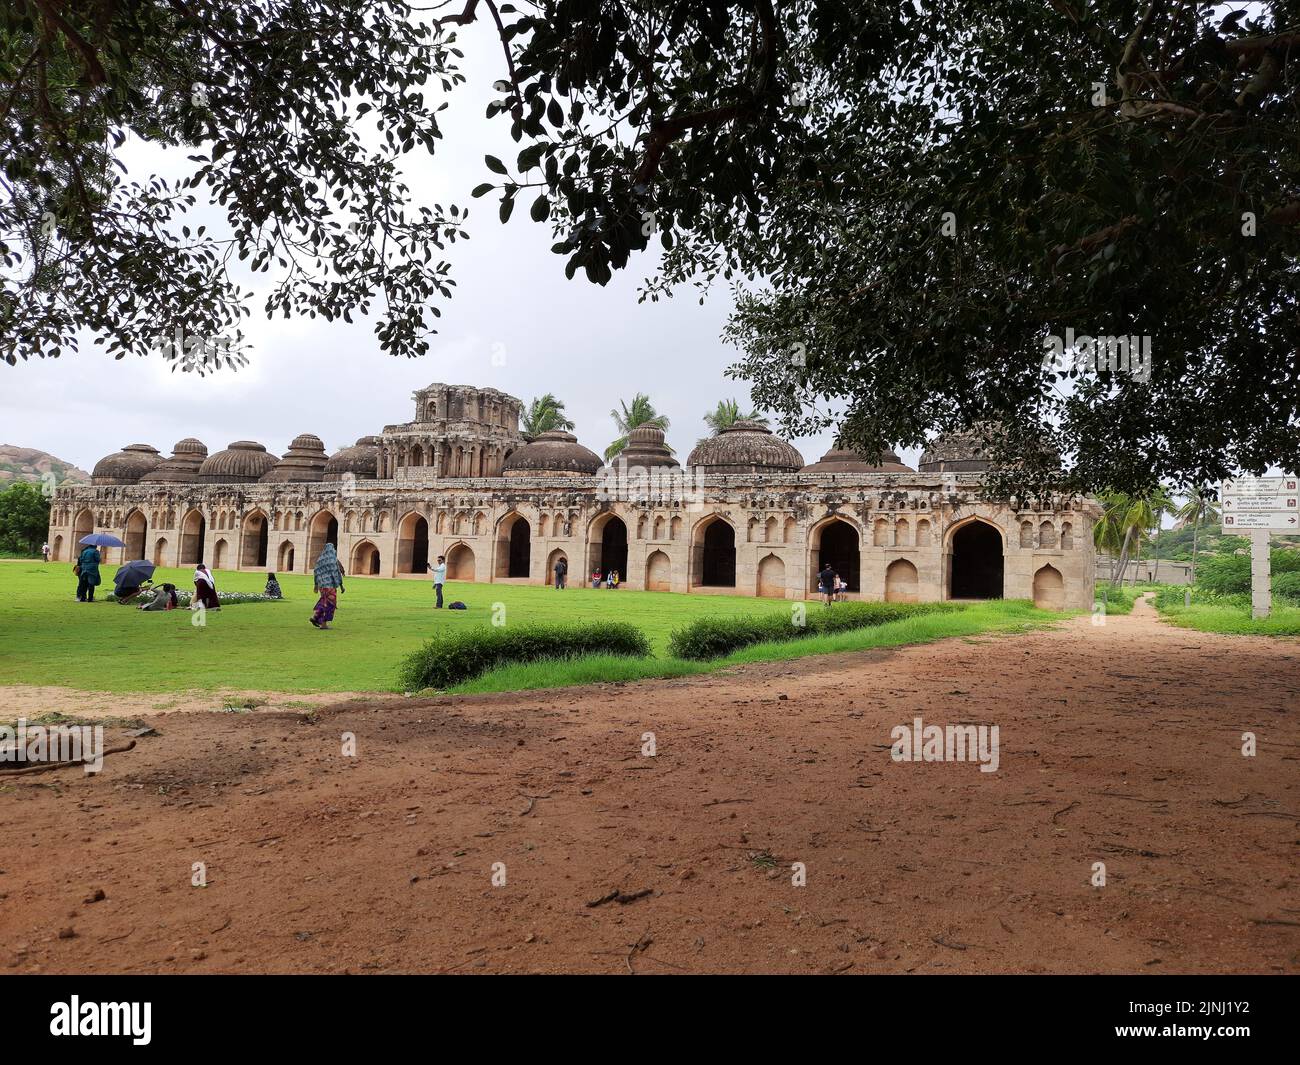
514	547
256	540
365	559
83	526
771	578
286	557
219	555
901	583
460	563
137	531
975	565
194	531
413	544
551	560
160	551
56	550
324	530
609	545
658	572
837	544
1049	589
716	549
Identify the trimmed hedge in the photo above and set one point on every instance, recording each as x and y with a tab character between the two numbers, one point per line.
715	637
456	655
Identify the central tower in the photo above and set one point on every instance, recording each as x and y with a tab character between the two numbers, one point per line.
457	431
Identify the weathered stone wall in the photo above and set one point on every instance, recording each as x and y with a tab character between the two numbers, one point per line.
904	525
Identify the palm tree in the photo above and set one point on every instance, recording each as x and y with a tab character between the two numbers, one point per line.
1199	511
726	414
1161	503
1125	519
641	412
544	414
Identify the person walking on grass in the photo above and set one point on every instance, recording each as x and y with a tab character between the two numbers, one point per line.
826	583
439	579
561	572
87	572
328	580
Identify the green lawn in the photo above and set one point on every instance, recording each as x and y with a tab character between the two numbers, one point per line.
1234	620
49	638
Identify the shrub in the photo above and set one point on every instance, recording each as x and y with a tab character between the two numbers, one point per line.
456	655
183	597
1118	600
1287	585
715	637
1230	574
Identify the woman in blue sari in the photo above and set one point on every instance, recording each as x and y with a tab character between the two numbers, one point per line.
87	573
328	578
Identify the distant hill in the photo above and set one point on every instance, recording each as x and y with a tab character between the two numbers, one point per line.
29	464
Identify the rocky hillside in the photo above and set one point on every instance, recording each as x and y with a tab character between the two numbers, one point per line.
28	464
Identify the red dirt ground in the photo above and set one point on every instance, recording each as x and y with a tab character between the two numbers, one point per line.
1120	744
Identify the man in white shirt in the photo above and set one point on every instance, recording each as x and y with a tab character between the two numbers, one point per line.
439	576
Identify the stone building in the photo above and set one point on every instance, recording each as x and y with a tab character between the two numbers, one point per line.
745	515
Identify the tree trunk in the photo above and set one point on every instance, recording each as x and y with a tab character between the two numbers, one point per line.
1196	532
1121	564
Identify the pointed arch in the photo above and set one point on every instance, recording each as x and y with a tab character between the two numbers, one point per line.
365	559
255	540
1049	589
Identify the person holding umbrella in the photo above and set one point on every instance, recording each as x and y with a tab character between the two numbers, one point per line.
87	567
129	578
87	571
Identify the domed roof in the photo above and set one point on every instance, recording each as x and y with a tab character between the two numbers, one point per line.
844	460
243	462
304	461
182	467
960	452
554	452
646	447
126	466
745	446
360	460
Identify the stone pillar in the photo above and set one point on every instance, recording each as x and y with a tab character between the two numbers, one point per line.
1261	597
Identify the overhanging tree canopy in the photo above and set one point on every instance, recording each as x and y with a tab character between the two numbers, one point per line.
925	192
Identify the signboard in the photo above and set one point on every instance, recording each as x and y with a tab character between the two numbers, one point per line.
1273	520
1259	506
1265	503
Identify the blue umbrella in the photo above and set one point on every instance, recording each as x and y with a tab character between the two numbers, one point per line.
101	540
133	574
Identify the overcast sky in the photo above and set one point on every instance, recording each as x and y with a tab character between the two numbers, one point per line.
591	346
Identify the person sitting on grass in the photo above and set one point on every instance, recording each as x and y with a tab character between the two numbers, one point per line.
595	578
164	599
272	589
124	589
613	579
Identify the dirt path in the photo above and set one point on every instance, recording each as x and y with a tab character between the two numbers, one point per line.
1119	744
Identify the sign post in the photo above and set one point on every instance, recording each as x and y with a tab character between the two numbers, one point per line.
1259	506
